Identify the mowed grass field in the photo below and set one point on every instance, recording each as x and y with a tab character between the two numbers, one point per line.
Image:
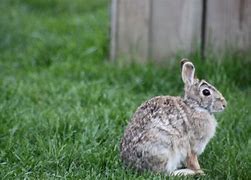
64	106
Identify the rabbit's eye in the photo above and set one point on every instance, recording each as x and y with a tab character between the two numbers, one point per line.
206	92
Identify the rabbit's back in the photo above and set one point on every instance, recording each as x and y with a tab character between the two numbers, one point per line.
156	131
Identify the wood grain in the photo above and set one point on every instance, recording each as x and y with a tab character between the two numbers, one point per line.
228	25
176	27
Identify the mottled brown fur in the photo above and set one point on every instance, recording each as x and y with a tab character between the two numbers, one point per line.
167	133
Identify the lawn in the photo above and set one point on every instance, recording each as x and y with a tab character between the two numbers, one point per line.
64	106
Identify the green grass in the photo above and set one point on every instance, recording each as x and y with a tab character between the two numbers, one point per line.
64	106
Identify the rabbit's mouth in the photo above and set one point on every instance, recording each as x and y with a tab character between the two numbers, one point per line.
219	105
220	109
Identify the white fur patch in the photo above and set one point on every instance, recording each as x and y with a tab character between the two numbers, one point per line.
199	109
174	161
183	172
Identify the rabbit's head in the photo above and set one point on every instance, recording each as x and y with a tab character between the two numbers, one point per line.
200	92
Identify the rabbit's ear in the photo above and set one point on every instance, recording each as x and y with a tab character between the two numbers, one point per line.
187	72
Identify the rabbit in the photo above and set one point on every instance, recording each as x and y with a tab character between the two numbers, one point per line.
167	134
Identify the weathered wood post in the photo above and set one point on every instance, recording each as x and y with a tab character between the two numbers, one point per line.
158	29
130	28
228	25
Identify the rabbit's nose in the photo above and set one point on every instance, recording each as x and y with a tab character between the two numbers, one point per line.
224	103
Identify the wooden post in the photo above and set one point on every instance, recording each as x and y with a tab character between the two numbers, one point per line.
176	26
228	25
130	39
113	29
157	29
154	29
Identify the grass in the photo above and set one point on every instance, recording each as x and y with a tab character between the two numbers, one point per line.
64	106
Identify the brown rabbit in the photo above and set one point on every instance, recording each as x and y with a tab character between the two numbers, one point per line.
168	133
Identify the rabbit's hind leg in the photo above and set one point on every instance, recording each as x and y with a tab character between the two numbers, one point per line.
183	172
193	163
